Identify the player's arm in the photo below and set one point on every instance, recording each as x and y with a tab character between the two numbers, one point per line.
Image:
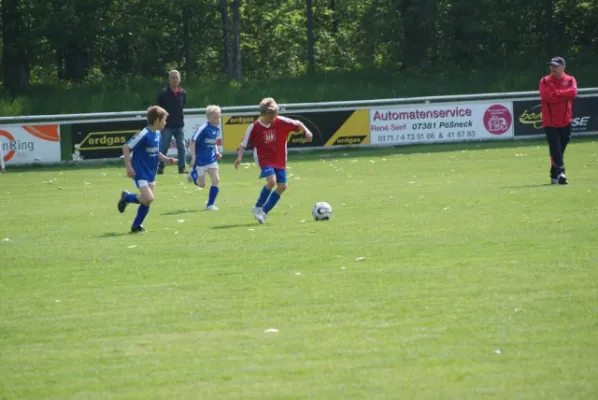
192	151
195	138
308	134
218	154
243	145
293	124
548	92
570	93
166	159
127	158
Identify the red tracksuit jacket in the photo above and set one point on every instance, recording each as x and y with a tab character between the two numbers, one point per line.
557	99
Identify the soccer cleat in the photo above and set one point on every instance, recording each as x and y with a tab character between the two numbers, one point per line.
256	210
137	229
562	179
554	181
182	171
261	217
122	203
212	208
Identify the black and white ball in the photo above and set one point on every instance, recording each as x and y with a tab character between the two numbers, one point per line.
322	211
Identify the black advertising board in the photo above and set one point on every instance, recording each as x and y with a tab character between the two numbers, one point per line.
96	140
528	116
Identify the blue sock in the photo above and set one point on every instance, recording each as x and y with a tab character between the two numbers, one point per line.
272	200
212	196
194	175
264	194
131	198
141	213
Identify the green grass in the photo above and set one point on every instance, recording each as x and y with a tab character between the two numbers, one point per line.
134	94
480	281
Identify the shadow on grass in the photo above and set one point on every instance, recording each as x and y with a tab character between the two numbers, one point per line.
114	234
530	186
177	212
232	226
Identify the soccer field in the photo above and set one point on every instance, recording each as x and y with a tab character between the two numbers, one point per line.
480	280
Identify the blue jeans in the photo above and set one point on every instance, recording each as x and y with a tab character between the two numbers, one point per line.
179	137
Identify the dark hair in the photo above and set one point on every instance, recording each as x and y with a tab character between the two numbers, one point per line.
155	113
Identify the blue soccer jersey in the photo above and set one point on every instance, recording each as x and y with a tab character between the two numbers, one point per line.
146	148
206	140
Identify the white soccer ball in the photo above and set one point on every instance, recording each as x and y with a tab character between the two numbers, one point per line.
322	211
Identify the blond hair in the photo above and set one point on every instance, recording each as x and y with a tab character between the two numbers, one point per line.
174	72
268	106
212	109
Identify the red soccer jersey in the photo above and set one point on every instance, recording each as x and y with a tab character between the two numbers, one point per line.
270	141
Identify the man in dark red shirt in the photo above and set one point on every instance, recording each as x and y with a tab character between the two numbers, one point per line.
269	135
557	91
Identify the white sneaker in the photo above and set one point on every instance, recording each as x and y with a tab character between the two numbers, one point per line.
256	210
261	217
212	208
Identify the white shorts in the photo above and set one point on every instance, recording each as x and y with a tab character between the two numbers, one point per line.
142	183
202	170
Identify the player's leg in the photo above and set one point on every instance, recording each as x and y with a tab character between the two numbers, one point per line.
179	137
214	189
270	175
166	138
281	179
200	176
265	193
565	136
146	197
127	197
556	154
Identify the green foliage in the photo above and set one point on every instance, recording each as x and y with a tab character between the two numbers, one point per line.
132	94
94	43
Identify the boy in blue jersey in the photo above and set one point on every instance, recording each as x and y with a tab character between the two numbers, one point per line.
142	154
205	155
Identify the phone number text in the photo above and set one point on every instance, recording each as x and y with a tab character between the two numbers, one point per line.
407	137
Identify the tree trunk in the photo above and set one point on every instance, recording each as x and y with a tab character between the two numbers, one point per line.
549	27
77	61
15	57
334	25
188	62
415	32
311	59
228	55
237	39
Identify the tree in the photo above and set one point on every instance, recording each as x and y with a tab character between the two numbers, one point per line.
228	56
16	54
236	5
309	15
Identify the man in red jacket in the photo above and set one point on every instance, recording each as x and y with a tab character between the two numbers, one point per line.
557	91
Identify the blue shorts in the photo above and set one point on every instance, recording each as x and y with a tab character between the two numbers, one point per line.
281	173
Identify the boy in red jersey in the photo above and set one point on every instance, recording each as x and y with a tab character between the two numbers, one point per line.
269	136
